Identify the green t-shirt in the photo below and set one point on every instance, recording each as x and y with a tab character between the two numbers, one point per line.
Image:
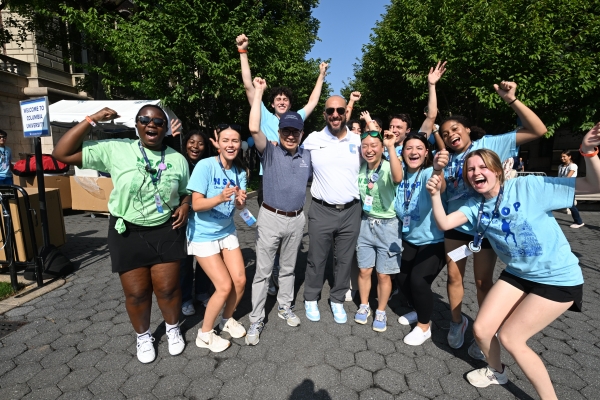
383	192
132	198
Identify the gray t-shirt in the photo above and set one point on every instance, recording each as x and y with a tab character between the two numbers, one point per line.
285	177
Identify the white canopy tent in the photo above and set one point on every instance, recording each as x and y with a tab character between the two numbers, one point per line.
67	113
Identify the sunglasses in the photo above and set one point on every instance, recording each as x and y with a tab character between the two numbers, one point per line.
144	120
235	127
2	137
370	133
287	132
331	110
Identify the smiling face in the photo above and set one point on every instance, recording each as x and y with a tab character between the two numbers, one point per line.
372	150
455	135
152	135
356	128
290	138
195	147
281	104
399	128
565	158
230	142
336	123
414	154
482	178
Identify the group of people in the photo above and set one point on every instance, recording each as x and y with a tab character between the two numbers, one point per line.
379	198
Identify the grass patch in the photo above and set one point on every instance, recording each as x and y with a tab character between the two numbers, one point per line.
6	290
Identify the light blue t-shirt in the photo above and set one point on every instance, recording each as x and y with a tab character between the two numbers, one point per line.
5	158
457	192
269	125
525	234
209	179
423	229
398	152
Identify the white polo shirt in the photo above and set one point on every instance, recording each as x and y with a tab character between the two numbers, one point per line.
335	163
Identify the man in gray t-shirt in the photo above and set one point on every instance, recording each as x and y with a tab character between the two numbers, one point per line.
287	169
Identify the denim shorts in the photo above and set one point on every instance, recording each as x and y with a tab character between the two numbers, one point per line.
379	245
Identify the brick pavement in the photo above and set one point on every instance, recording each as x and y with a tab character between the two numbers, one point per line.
78	343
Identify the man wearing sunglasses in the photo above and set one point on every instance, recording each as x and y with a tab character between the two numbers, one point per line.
334	215
287	169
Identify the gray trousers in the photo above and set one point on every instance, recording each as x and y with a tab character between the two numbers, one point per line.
327	226
272	230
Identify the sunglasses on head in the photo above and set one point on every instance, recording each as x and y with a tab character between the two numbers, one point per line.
370	133
331	110
235	127
144	120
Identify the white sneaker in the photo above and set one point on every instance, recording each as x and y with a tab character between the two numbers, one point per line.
215	343
575	226
234	328
145	349
350	295
187	308
487	376
417	337
176	342
408	319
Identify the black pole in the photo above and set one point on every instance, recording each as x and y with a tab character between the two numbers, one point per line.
39	172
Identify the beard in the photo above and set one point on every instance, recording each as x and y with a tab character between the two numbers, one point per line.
336	131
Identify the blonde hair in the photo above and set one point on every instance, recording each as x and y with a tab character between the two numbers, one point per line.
490	159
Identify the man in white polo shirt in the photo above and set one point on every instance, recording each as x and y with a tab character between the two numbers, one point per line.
335	210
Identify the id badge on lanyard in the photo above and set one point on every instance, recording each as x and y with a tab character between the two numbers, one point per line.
158	202
406	223
368	203
247	217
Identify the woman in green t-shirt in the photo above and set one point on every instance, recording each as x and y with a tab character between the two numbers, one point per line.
149	207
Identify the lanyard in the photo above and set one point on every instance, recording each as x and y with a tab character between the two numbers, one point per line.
475	245
458	171
374	177
412	187
237	182
161	167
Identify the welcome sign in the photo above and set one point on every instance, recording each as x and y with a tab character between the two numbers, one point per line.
36	117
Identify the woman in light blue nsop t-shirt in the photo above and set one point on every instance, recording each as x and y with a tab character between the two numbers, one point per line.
542	279
218	186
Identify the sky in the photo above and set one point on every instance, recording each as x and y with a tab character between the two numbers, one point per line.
345	28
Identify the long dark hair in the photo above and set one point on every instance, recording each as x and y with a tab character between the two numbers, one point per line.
418	136
238	161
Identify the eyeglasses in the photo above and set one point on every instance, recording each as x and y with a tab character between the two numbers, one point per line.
2	137
331	110
144	120
287	132
370	133
235	127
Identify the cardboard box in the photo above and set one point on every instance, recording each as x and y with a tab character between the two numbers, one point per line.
56	223
90	194
61	182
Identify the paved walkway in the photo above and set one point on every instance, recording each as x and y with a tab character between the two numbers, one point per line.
78	343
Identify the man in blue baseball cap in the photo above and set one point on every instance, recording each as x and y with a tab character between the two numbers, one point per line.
287	168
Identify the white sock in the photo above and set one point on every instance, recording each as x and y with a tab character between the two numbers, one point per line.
223	322
139	335
169	327
205	336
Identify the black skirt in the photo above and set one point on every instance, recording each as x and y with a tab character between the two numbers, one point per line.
144	246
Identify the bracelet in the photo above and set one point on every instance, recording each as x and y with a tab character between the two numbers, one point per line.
512	101
90	120
349	107
242	51
189	203
588	155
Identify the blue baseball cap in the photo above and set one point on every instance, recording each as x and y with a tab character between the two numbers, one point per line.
291	119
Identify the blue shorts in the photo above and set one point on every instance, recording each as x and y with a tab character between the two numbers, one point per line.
379	245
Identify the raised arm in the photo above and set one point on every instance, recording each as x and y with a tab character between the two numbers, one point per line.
260	140
354	97
533	127
443	221
369	122
435	74
590	184
395	164
316	93
242	45
68	148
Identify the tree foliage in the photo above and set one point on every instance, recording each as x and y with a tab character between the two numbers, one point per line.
549	47
182	51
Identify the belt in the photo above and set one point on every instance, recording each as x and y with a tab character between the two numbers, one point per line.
286	213
337	206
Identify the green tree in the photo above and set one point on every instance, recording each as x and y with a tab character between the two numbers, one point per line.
549	47
180	51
